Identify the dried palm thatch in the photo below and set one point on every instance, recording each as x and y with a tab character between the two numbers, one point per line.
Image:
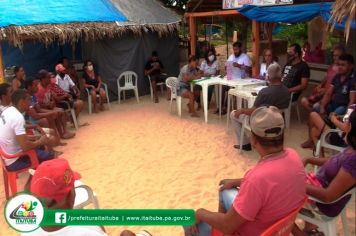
72	32
343	9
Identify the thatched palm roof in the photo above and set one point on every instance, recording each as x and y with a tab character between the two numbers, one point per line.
344	9
142	15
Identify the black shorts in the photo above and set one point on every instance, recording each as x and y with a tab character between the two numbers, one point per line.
64	104
158	78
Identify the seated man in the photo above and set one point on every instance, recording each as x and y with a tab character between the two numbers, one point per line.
47	104
154	69
54	182
188	73
342	91
35	115
276	94
296	72
268	192
313	101
70	70
63	98
13	137
65	82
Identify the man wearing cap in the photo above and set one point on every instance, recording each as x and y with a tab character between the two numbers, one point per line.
47	104
13	137
65	82
276	94
268	192
54	182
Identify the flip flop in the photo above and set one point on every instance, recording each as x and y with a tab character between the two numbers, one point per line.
62	144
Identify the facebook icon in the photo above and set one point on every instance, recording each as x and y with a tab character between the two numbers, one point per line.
60	218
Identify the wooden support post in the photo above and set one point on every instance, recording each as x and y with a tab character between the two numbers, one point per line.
192	33
256	47
2	72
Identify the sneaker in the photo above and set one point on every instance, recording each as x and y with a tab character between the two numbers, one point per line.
246	147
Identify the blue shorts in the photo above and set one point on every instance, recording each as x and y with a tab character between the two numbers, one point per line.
226	198
24	161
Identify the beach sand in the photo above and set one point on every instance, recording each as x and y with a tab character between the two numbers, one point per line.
144	156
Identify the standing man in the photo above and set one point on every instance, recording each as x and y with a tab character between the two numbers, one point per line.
241	63
296	72
154	69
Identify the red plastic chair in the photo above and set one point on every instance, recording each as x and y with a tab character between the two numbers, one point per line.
10	176
283	227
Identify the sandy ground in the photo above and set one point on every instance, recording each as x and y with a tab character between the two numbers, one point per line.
143	156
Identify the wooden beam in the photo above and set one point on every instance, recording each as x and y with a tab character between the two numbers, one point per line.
256	47
192	33
212	13
2	73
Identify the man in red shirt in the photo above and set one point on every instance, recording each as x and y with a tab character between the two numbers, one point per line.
47	103
268	192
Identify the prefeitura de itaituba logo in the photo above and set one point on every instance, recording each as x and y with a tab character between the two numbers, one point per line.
24	212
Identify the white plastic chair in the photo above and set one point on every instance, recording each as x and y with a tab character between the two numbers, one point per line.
325	223
287	111
245	126
161	84
90	103
72	113
130	83
84	196
172	83
322	143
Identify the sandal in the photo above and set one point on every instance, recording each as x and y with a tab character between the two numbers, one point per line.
313	232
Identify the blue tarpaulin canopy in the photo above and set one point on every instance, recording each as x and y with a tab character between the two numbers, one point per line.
34	12
291	13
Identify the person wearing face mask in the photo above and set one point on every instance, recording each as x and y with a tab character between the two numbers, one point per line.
296	72
93	82
210	67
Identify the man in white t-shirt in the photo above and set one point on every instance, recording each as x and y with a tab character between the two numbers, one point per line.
54	182
65	82
241	63
13	137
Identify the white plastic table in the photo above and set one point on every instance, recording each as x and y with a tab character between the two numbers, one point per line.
238	84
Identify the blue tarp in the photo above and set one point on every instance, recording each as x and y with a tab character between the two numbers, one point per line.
30	12
291	13
35	56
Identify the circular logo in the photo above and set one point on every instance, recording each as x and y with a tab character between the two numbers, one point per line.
24	212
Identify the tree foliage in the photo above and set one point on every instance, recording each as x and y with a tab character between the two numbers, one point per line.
180	4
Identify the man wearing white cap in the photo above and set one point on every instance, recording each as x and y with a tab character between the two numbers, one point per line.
268	192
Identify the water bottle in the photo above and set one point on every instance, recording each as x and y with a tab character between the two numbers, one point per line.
228	70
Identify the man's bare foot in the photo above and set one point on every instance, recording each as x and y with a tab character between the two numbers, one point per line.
189	109
194	114
62	144
68	135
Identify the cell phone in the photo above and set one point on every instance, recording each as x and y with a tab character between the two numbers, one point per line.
254	94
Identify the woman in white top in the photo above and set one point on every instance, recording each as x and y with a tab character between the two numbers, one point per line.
209	67
267	60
